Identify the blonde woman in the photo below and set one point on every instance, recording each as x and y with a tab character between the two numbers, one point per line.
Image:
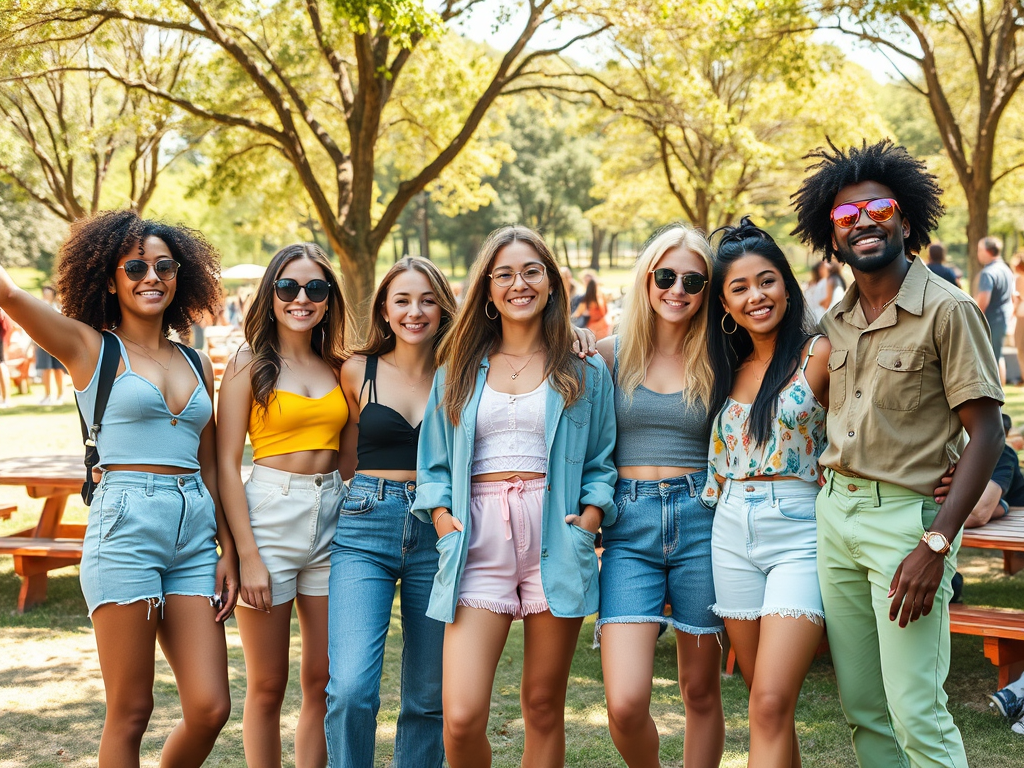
515	473
661	545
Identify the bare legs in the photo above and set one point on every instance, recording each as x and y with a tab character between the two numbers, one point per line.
265	639
774	654
472	647
627	659
194	646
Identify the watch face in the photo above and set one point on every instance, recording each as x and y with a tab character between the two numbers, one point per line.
935	542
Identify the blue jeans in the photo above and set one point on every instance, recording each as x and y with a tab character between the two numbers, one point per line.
659	549
379	543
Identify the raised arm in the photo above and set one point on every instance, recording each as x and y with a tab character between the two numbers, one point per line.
233	408
72	342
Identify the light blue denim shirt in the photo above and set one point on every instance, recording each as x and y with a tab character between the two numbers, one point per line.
580	440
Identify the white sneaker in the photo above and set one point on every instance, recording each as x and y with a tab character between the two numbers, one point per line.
1018	727
46	401
5	404
57	401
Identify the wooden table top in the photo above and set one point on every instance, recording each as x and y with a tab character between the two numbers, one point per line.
53	471
1006	533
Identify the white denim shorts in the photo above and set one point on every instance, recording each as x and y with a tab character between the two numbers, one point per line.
293	519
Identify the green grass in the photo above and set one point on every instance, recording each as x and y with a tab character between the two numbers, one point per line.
52	700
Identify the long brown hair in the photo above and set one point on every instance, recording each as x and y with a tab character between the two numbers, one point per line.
475	335
380	340
328	339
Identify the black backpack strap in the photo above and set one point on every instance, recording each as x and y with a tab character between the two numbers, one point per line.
110	356
195	359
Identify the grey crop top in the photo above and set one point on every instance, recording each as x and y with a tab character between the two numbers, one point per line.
139	428
658	430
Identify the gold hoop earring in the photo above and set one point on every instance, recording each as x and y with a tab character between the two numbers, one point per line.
735	325
491	304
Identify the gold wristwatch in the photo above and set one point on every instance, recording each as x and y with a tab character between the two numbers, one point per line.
936	542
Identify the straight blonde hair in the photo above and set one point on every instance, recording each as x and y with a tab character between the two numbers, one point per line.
636	328
475	335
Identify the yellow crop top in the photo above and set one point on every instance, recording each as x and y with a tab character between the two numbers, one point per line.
295	423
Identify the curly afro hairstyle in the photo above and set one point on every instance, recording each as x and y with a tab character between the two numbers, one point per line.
916	190
89	257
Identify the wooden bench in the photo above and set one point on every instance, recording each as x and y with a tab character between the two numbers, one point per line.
1006	533
1003	631
35	556
7	510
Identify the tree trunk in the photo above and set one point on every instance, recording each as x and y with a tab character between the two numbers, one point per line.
977	228
596	243
612	248
425	230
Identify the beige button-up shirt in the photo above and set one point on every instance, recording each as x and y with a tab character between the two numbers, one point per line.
894	384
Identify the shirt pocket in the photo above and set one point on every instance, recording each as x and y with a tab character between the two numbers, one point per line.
837	378
898	379
577	433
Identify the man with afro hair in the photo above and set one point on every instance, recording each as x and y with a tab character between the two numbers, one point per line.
911	369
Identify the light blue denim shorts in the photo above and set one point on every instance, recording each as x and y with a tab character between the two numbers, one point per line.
658	551
149	536
765	551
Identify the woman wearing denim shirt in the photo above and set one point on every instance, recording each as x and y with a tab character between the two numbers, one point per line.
515	472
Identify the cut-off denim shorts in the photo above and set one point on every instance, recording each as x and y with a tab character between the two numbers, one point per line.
293	519
765	551
659	551
149	536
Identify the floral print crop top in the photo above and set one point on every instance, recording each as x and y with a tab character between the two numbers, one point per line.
792	448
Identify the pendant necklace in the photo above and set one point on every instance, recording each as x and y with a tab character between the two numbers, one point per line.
146	353
515	373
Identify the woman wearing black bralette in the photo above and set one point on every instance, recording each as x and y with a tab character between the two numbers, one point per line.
378	543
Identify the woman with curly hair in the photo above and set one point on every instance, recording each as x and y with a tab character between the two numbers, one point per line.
378	543
515	473
660	548
150	568
282	388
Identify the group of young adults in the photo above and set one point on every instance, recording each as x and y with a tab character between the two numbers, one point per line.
483	455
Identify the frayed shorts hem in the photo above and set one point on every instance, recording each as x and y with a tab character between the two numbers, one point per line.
156	602
816	617
679	626
515	610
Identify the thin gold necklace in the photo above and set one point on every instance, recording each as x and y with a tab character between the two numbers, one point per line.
515	373
882	308
146	353
405	376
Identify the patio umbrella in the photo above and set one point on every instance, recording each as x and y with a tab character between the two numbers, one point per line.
244	272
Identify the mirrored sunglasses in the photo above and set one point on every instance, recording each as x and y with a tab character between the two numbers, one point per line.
880	209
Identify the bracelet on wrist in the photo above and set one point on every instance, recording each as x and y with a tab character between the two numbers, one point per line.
446	512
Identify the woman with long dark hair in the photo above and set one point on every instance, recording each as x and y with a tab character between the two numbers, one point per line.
282	388
661	546
378	543
515	473
150	568
769	398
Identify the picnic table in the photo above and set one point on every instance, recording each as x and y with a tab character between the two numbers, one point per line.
51	543
1006	533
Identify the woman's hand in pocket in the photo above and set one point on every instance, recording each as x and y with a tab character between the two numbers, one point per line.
445	523
256	586
589	520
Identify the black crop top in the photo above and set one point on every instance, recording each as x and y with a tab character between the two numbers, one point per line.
386	439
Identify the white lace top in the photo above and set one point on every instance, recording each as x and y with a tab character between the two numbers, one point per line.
510	432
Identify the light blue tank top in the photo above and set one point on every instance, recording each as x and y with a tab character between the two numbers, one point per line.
658	430
139	428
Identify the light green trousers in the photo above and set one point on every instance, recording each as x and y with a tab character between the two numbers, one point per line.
890	679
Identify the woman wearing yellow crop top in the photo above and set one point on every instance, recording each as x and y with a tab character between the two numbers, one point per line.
282	388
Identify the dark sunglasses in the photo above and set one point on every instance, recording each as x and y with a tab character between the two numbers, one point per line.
136	270
880	209
693	282
288	289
